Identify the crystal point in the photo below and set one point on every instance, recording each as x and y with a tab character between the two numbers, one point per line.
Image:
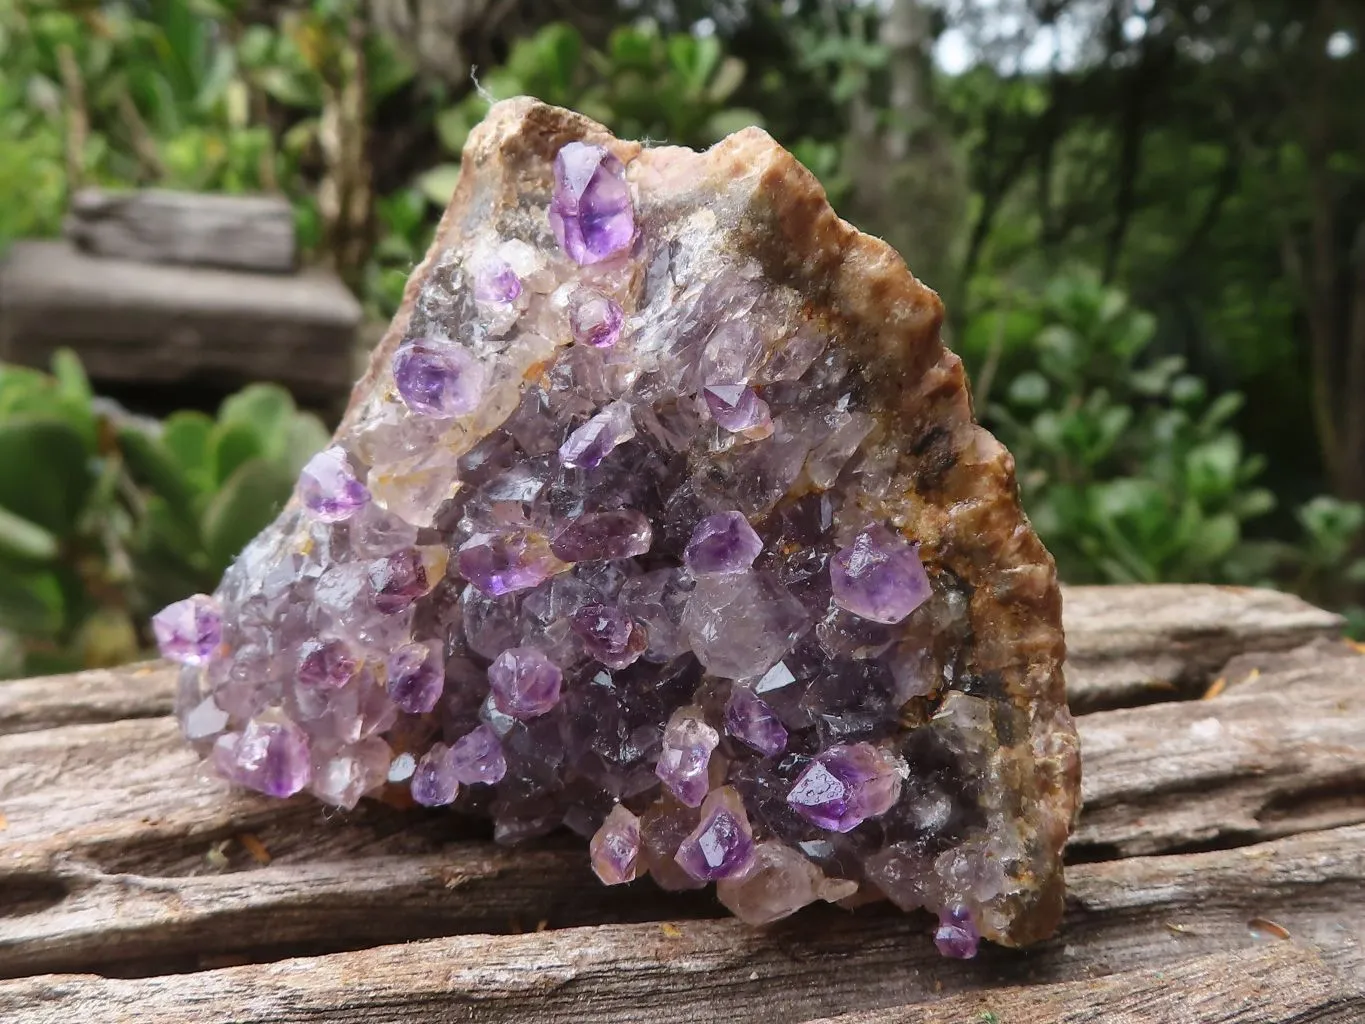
189	631
590	209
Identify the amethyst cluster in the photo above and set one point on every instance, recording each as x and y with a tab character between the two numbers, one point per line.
615	539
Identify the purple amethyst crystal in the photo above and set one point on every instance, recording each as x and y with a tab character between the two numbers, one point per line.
503	563
609	635
416	677
496	282
736	407
189	631
433	783
329	488
326	664
269	757
595	319
438	379
722	543
603	536
477	757
587	446
590	209
402	578
749	720
524	682
879	576
686	755
615	847
844	786
722	844
956	935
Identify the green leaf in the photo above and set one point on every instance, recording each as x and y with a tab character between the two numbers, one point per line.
304	437
46	476
727	122
1215	538
31	602
1029	389
453	126
187	437
248	501
438	184
233	445
151	465
25	541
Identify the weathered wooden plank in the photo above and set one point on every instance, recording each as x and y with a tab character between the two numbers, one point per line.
1144	913
144	690
1285	983
1109	664
1285	755
163	324
1143	644
159	226
91	806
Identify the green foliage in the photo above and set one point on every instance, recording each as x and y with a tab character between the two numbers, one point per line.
104	517
1128	470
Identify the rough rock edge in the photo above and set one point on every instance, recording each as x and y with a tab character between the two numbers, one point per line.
962	500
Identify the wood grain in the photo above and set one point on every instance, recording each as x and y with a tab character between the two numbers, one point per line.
1144	913
1138	645
113	831
163	324
160	226
1126	645
1285	983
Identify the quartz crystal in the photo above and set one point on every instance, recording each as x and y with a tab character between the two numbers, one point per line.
660	515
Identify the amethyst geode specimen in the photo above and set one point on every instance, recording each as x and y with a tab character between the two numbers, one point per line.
661	515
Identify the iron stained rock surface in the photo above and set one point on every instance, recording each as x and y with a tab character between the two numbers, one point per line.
660	515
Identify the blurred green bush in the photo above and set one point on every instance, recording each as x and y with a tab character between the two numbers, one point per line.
106	517
1138	457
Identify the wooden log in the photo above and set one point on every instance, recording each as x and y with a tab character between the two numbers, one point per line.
1109	664
90	806
1136	645
1287	983
1140	914
135	322
254	233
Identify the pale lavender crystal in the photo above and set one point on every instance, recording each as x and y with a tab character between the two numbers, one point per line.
956	935
600	536
615	847
269	757
587	446
400	579
329	488
736	407
189	631
595	319
433	783
503	563
326	664
722	543
844	786
496	282
879	576
477	757
524	682
740	625
609	635
438	379
686	755
590	209
342	777
750	720
722	844
416	677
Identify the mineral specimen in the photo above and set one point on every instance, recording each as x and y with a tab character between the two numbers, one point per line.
661	515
